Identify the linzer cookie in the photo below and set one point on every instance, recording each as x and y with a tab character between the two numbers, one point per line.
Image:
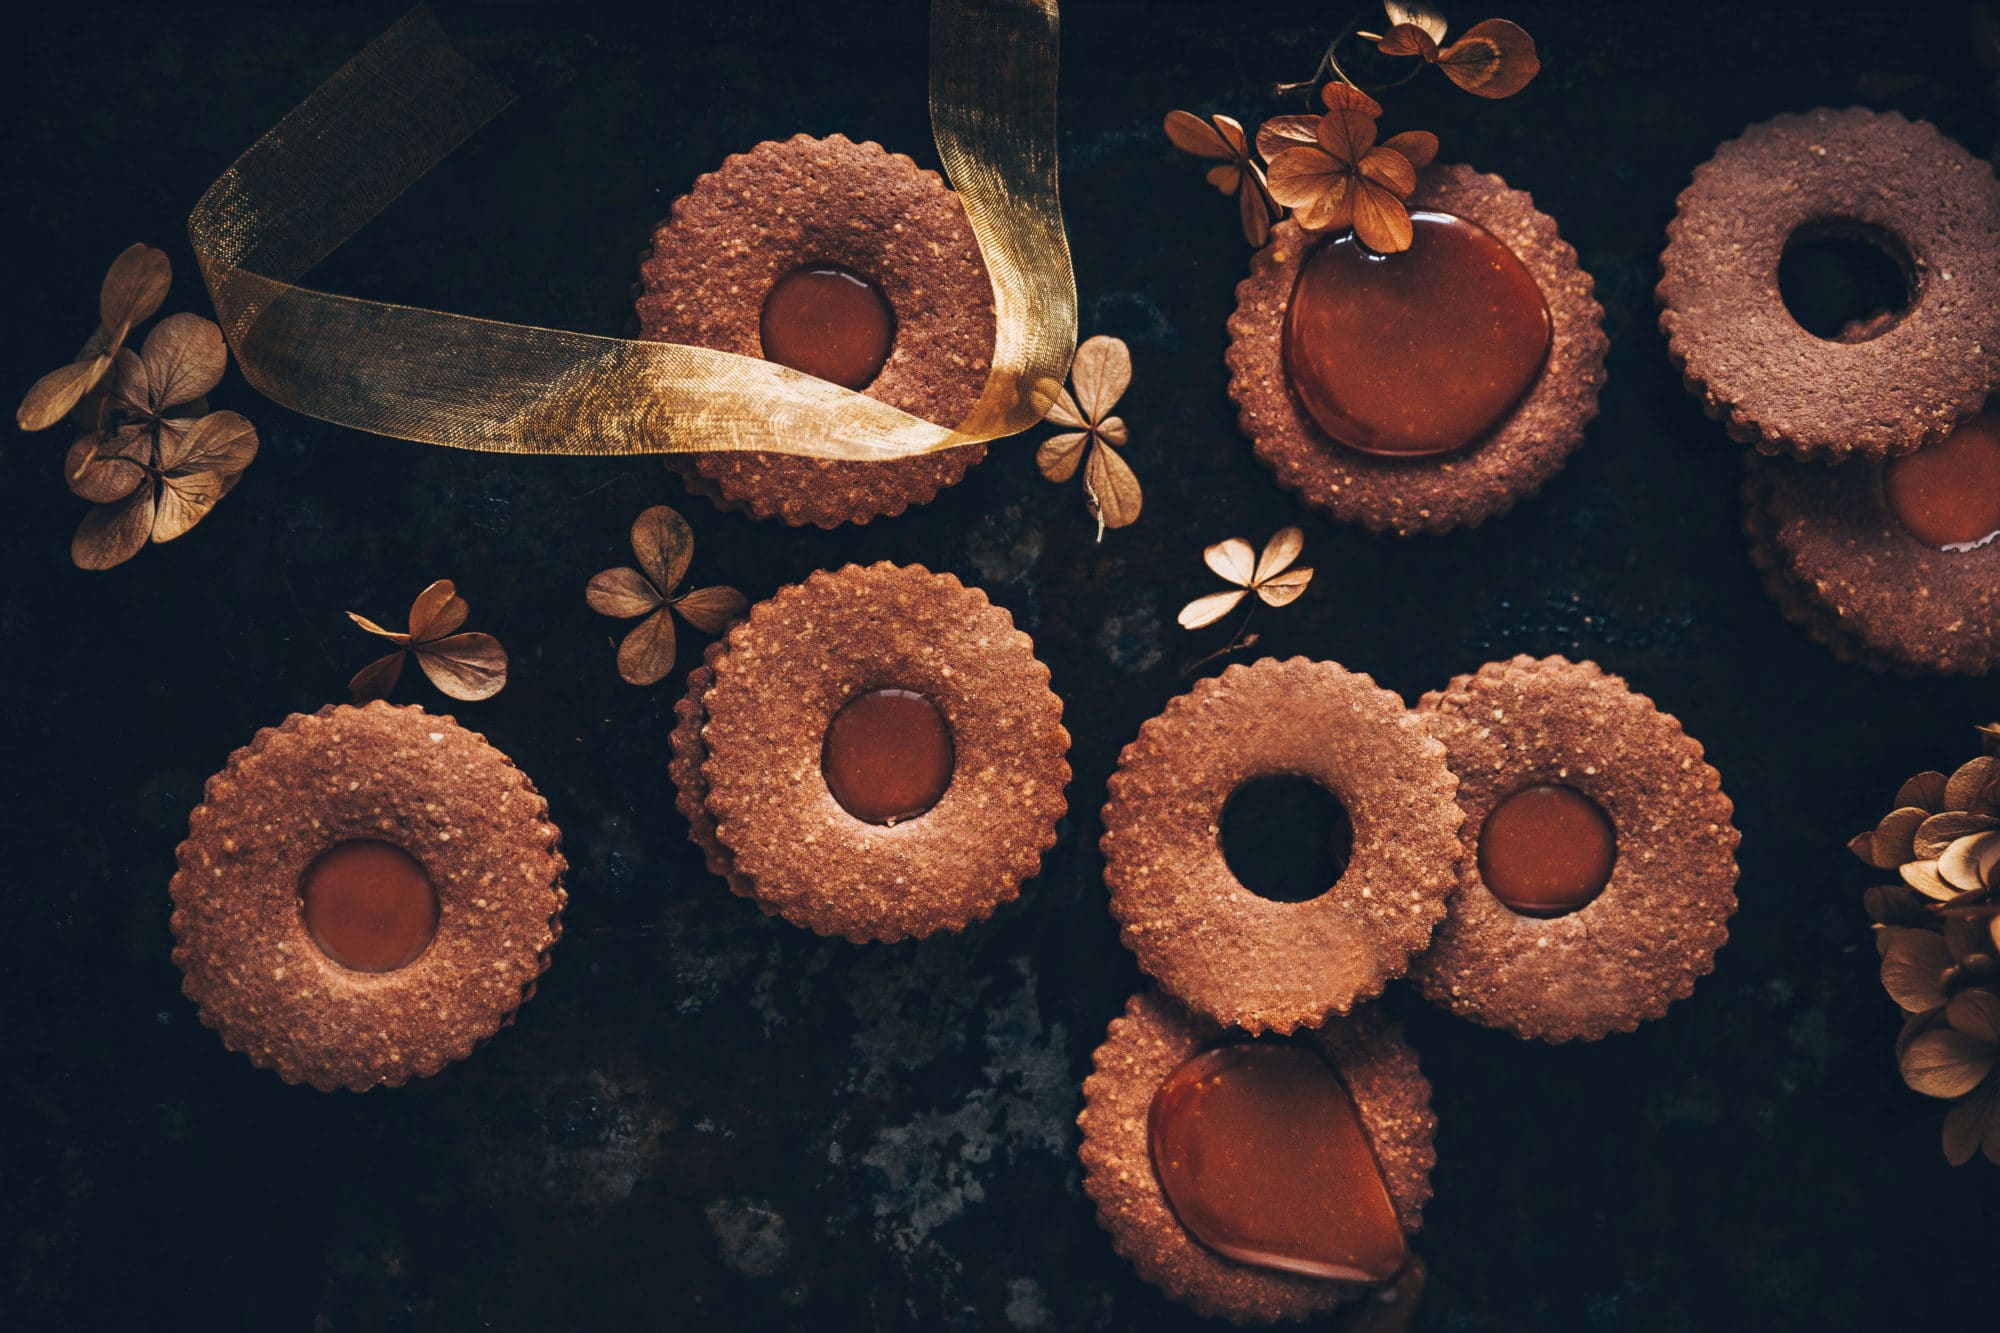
1258	1179
1883	385
848	263
1895	565
1245	960
874	753
364	895
1599	872
1427	390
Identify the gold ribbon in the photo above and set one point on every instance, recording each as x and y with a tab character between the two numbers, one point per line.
409	99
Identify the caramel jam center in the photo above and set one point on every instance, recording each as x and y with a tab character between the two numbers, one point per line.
1263	1157
1416	353
830	323
887	756
368	905
1948	495
1547	850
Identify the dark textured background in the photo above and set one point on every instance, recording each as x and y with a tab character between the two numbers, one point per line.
708	1119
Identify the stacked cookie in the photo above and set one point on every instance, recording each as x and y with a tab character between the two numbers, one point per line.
1872	499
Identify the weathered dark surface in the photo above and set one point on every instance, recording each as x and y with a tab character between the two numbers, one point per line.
709	1119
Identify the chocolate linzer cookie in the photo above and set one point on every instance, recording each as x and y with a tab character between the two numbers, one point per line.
846	262
1599	871
1895	565
364	895
1422	391
1229	954
1887	386
874	753
1257	1179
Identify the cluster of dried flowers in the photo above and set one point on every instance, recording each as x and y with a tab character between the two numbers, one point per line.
1329	170
1938	932
664	546
152	458
464	666
1099	376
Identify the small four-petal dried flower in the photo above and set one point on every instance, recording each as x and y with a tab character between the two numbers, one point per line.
1221	140
159	459
1270	575
664	545
1341	177
1100	375
1493	58
131	293
464	666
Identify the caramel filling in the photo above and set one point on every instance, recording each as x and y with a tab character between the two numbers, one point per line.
1948	495
830	323
368	905
1418	353
1547	850
888	756
1264	1159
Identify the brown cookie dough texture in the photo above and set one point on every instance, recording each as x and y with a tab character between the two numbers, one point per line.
1154	1038
748	744
782	206
1842	568
1856	172
1248	961
392	774
1642	942
1459	490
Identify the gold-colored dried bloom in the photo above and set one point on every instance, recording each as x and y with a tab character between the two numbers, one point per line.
1100	374
464	666
154	461
1332	173
1269	574
664	546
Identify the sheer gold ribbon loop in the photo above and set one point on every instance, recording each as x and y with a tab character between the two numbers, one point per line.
409	99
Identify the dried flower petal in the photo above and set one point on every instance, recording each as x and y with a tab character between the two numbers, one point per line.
1346	137
378	678
664	543
1059	455
1277	134
133	289
373	628
1209	609
221	442
712	610
1972	1122
1972	863
646	655
622	592
1191	134
1896	834
1380	221
185	500
1976	1013
1407	39
437	611
1493	58
1347	97
103	471
1232	560
1111	489
1972	787
54	395
465	666
184	357
1944	1062
1913	966
1284	589
1925	790
1418	147
1923	877
112	534
1421	17
1101	372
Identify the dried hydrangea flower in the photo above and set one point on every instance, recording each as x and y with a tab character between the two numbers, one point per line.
464	666
664	546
